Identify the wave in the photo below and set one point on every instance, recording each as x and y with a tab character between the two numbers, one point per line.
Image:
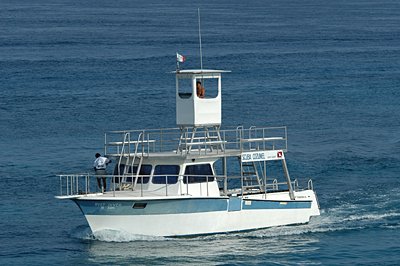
370	216
115	236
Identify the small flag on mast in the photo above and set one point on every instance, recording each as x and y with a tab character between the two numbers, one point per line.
180	58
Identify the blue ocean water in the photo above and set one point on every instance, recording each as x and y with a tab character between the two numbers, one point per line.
328	70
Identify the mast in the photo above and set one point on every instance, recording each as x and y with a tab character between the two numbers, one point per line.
201	56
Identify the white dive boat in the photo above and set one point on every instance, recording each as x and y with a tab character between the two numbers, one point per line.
165	182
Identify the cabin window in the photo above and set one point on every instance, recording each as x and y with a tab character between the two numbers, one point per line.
210	87
198	173
163	172
145	171
185	88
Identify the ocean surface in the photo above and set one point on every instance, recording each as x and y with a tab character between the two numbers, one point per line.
328	70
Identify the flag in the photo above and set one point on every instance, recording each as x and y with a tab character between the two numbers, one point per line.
180	58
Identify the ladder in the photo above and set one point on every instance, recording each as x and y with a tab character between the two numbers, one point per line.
192	138
251	179
129	161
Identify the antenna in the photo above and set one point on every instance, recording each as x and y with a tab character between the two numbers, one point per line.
201	56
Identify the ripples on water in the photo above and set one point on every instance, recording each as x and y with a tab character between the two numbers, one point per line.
329	71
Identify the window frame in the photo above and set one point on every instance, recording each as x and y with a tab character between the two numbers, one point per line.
198	178
163	176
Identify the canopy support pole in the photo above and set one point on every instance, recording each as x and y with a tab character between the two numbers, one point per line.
291	194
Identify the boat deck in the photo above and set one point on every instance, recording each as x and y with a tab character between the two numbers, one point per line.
155	195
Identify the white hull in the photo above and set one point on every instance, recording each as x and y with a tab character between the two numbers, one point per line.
197	224
184	224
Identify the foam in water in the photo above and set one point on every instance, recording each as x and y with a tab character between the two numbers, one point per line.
115	236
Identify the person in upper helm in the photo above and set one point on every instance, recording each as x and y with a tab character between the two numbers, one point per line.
200	90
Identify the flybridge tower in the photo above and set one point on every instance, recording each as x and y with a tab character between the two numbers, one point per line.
191	110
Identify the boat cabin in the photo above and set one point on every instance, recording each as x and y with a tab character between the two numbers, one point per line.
168	177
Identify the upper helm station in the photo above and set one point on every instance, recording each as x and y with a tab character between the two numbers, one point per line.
191	110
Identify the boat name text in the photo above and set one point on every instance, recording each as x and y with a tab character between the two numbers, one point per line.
262	156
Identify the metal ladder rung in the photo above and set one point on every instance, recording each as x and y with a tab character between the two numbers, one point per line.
251	180
250	176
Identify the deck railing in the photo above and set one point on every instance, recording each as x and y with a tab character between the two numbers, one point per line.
86	184
194	141
308	186
76	184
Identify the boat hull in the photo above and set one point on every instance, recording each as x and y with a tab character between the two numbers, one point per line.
195	216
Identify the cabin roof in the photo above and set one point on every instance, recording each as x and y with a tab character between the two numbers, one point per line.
198	71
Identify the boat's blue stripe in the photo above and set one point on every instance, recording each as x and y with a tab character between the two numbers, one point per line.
260	205
179	206
97	207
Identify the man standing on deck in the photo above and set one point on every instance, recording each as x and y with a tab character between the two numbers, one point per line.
100	165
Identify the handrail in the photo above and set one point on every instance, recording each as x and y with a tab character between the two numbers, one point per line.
239	130
133	162
255	135
274	184
72	187
139	130
300	188
122	151
79	184
207	141
120	157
